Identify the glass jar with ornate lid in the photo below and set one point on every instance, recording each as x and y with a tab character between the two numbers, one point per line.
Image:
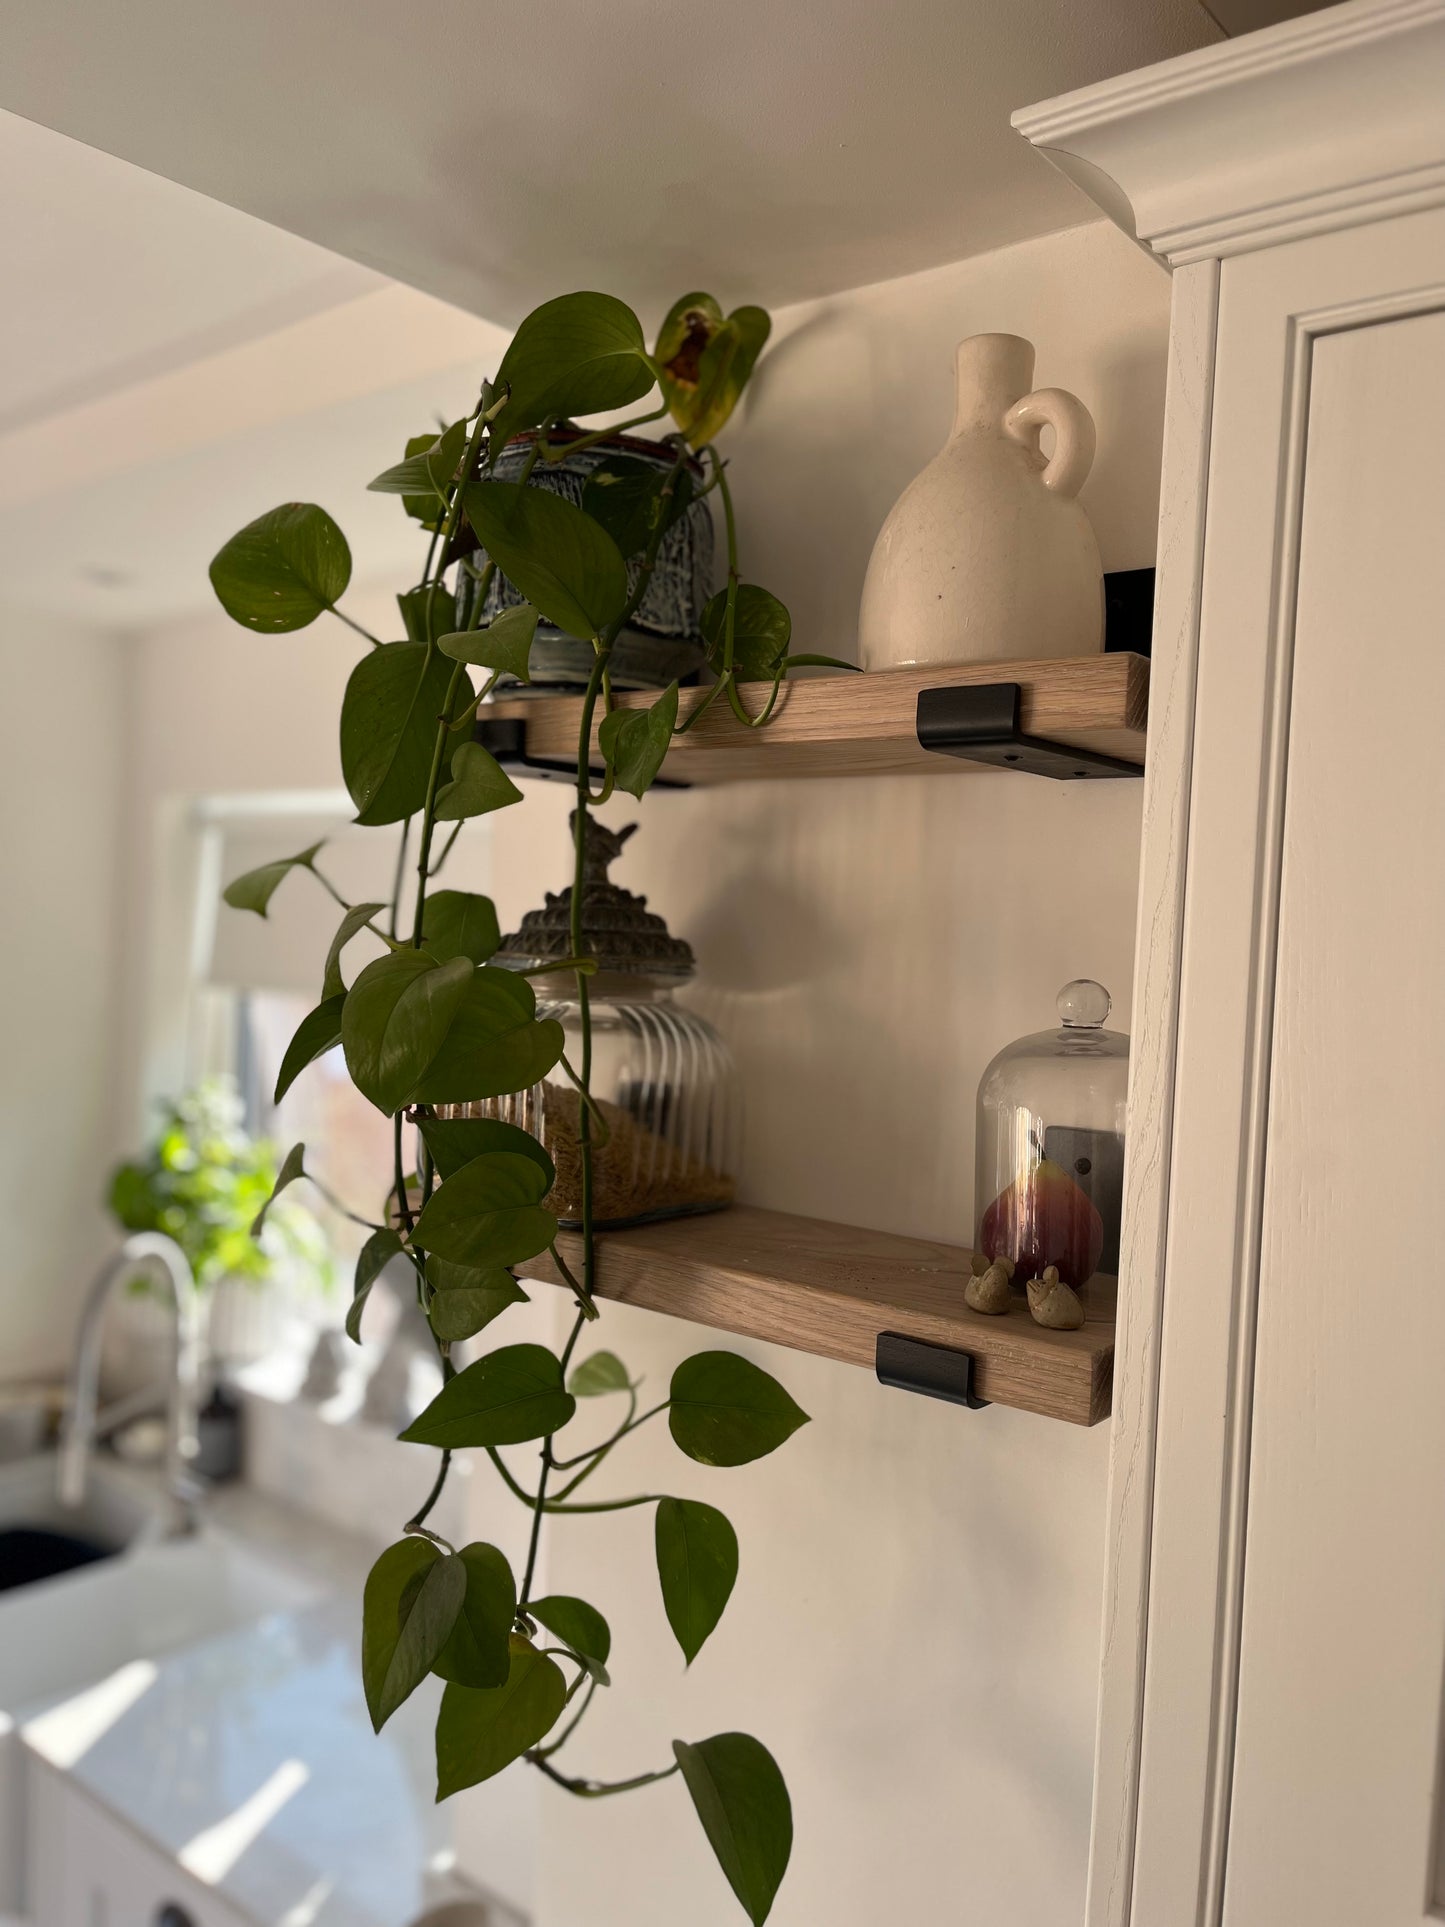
665	1120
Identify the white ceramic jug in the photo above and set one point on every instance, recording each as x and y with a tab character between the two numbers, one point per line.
987	553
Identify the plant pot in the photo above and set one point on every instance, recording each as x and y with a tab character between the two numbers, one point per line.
662	642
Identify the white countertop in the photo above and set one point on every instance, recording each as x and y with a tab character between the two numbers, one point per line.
249	1757
251	1761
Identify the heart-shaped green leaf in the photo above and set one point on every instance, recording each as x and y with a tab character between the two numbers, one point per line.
478	1654
704	362
580	1627
373	1258
630	497
480	1733
601	1373
477	1063
576	355
567	566
381	1615
389	714
511	1395
479	785
423	507
634	741
465	1299
395	1019
495	1046
318	1032
486	1214
293	1166
282	570
457	923
725	1410
409	1608
455	1141
255	889
505	643
428	612
356	919
697	1563
428	471
762	630
743	1804
727	364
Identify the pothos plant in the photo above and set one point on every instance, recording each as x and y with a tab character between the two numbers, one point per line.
431	1024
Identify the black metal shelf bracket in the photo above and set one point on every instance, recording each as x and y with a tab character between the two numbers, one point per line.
981	723
506	738
912	1365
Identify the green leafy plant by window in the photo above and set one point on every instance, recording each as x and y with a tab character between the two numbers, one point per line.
202	1180
433	1022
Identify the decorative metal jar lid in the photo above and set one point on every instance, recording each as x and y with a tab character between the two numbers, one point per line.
618	929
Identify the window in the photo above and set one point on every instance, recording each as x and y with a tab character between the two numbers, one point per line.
231	1000
349	1143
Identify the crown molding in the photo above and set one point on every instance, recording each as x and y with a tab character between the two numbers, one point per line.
1318	123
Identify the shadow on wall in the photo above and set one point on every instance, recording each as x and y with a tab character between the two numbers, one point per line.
761	936
1122	493
867	946
855	395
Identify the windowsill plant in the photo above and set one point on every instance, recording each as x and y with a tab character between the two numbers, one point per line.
201	1180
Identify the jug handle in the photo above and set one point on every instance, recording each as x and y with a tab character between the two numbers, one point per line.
1068	467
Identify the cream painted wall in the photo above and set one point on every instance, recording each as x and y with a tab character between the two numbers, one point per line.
59	777
916	1625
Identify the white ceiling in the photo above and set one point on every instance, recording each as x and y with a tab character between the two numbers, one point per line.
165	358
111	275
495	151
168	467
171	354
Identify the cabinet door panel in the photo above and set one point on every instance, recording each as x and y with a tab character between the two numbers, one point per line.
86	1869
1343	1628
1313	920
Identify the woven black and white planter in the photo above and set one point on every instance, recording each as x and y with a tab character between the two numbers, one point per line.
662	641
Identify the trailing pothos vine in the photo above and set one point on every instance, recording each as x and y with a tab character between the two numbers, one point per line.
431	1024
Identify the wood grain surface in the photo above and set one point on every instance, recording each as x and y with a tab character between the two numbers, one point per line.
832	1288
864	725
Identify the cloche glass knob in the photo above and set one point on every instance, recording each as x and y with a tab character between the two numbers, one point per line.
1083	1004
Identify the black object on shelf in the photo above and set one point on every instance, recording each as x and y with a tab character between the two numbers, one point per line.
505	737
1129	611
934	1371
981	723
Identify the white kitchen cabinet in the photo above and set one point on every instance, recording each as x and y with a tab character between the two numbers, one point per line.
1274	1634
85	1868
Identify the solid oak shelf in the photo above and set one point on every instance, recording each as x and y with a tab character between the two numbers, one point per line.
831	1289
863	725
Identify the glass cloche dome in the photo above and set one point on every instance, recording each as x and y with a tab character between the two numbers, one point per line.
1049	1157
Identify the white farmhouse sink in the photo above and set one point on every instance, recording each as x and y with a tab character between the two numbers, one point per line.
119	1505
67	1632
75	1648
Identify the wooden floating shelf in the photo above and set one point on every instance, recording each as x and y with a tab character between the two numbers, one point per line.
831	1289
864	725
